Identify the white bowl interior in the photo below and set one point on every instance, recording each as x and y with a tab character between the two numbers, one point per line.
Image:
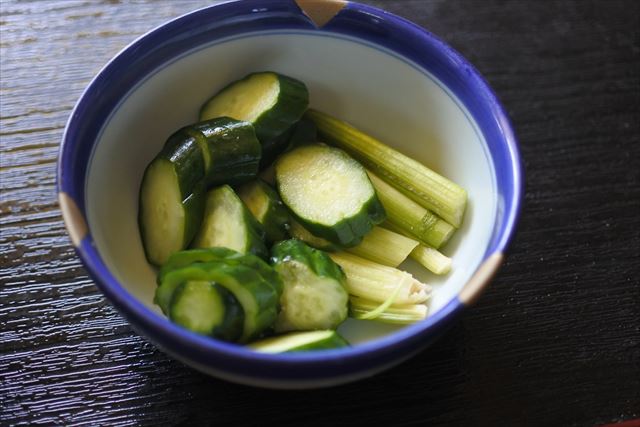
380	93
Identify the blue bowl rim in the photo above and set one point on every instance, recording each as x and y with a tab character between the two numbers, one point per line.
159	327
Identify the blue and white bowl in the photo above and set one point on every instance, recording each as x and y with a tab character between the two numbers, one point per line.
380	72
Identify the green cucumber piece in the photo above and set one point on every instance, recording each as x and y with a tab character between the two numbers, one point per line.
300	341
207	308
185	154
193	256
314	295
169	214
171	194
304	132
329	193
297	231
231	150
257	297
274	147
301	133
228	223
266	206
270	101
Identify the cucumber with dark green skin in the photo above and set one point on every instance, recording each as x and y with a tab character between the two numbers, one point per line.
171	198
329	193
171	194
318	261
185	153
207	308
266	206
300	341
273	148
193	256
297	231
315	295
304	132
257	297
233	151
228	223
272	102
186	133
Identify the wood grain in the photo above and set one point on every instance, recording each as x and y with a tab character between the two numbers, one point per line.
554	341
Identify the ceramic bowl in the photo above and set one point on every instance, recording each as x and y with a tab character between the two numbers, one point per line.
384	74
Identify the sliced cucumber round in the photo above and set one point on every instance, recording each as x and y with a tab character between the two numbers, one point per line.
232	151
228	223
258	298
315	294
168	217
266	206
274	147
304	132
329	193
300	341
207	308
270	101
194	256
297	231
185	154
300	133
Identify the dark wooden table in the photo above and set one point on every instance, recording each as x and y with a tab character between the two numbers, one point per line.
554	341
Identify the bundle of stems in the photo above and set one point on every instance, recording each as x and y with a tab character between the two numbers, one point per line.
384	247
361	308
410	217
430	258
378	283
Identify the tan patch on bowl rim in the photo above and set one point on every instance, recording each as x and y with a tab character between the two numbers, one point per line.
321	11
481	278
73	218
